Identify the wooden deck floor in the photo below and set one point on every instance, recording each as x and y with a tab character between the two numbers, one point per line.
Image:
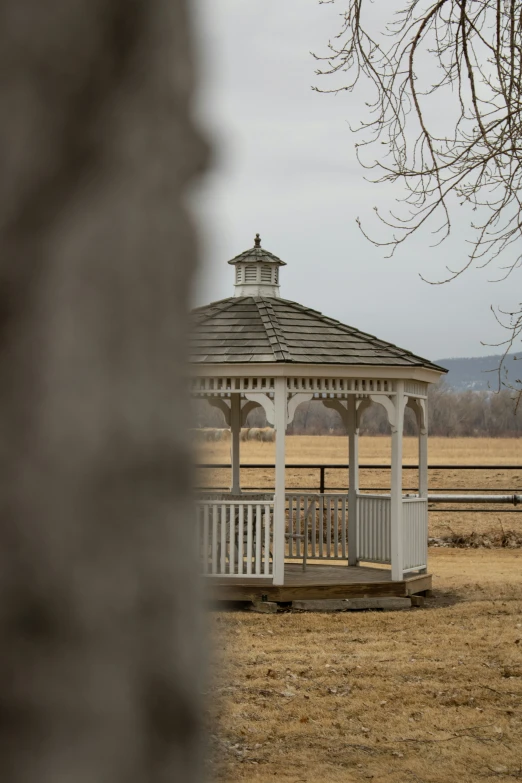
318	581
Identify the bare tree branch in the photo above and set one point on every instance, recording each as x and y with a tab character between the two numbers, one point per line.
471	150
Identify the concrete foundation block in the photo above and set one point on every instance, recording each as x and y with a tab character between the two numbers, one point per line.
353	604
264	607
391	603
322	605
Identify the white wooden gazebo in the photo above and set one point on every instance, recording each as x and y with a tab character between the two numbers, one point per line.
257	349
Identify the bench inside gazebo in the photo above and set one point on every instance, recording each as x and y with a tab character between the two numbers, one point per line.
257	349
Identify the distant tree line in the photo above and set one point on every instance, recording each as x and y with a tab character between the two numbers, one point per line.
450	414
473	413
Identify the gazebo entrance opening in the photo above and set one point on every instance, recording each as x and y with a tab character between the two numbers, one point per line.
256	349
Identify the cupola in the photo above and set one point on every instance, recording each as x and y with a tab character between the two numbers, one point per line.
257	272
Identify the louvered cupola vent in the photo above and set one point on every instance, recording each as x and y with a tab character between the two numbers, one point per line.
266	274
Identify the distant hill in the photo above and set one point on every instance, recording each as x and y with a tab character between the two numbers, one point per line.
480	373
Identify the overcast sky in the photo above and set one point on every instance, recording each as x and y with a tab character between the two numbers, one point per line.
284	166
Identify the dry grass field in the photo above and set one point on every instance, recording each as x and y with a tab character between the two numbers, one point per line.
330	448
430	695
376	450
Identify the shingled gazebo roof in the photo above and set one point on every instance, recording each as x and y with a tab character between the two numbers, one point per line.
269	329
257	329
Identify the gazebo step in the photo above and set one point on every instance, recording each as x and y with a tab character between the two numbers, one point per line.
318	583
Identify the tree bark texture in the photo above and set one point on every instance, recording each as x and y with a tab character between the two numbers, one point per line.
99	628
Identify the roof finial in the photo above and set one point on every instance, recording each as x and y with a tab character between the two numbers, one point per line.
257	241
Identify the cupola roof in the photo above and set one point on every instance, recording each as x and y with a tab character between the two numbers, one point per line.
257	254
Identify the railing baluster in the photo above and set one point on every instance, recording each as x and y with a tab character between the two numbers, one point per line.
417	507
364	516
336	526
344	528
305	509
361	523
297	528
362	527
214	537
321	524
232	540
290	529
205	539
409	527
374	517
267	540
314	530
240	539
249	540
258	539
369	525
223	539
329	527
382	534
386	532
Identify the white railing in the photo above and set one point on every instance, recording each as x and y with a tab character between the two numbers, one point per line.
374	528
415	533
327	526
236	537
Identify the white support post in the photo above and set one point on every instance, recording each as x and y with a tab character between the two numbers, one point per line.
353	480
423	453
396	486
235	427
280	414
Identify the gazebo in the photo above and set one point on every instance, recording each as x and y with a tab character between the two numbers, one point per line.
258	349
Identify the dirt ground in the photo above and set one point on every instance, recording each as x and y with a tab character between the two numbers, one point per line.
430	695
376	450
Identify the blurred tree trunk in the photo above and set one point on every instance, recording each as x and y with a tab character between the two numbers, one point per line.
99	629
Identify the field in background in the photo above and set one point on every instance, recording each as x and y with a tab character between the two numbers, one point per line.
424	696
376	450
330	448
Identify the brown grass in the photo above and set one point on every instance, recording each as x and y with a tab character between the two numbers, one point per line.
376	450
424	696
329	448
